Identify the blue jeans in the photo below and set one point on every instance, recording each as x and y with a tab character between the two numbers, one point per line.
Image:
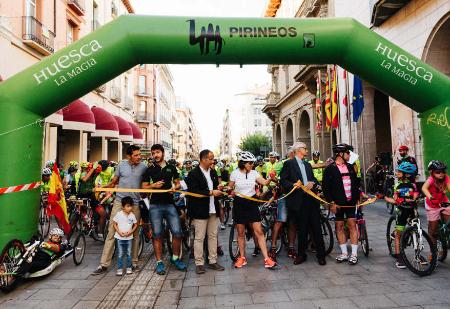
124	250
158	212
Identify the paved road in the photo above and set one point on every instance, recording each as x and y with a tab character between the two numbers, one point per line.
373	283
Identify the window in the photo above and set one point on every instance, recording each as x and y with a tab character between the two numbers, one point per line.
142	106
142	84
69	33
144	133
255	122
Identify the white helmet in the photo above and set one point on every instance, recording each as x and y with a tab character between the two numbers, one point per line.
220	165
273	154
56	231
246	156
46	171
49	163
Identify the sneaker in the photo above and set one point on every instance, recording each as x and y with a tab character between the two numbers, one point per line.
241	261
342	258
220	251
273	254
353	260
230	223
129	271
256	252
399	264
222	226
160	268
291	253
100	270
216	266
269	263
119	272
178	264
135	268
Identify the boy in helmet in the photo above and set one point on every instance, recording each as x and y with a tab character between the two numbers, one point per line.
318	172
49	250
404	197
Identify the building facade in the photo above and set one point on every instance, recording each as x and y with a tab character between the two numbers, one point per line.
187	142
420	27
225	139
100	124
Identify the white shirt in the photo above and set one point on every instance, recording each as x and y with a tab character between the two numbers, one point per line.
212	208
244	183
124	223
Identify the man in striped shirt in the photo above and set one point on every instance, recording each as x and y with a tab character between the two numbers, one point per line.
341	188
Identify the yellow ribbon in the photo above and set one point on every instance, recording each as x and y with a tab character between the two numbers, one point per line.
149	191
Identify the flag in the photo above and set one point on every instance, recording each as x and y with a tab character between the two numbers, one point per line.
334	101
57	201
345	99
327	102
318	102
358	99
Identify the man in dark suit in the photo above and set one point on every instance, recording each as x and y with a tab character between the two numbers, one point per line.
204	211
302	208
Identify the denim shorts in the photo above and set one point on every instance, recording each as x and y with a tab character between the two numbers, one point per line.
281	211
158	212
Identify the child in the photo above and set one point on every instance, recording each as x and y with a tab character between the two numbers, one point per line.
125	224
434	189
404	192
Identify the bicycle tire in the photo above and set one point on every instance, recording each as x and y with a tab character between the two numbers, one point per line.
441	247
389	238
79	244
405	238
389	206
44	222
327	233
233	253
14	247
364	239
226	216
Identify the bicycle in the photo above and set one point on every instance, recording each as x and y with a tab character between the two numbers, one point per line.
327	231
388	188
227	205
44	219
413	242
443	239
362	231
82	219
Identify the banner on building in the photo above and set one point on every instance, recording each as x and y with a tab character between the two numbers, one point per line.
319	102
334	100
327	102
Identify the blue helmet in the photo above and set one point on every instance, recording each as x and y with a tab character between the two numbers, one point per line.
407	168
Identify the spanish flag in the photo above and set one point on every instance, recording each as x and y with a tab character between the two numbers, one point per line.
327	103
57	202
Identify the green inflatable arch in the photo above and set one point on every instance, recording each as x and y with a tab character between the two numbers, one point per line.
116	47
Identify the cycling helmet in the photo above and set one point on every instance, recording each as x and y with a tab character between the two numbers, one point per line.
220	165
56	231
407	168
273	154
341	148
46	171
73	163
84	164
316	153
436	165
172	162
259	159
195	163
403	147
187	162
50	163
104	164
246	156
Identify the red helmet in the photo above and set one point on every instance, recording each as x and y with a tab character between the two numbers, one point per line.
403	147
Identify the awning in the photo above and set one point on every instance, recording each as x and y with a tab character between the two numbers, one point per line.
78	116
125	130
137	134
105	124
56	118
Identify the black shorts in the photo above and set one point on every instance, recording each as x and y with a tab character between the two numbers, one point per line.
245	211
345	213
401	217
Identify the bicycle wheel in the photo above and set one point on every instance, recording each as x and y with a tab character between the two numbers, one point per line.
226	214
327	234
141	241
441	247
418	252
44	221
390	235
79	249
389	206
9	260
363	239
233	247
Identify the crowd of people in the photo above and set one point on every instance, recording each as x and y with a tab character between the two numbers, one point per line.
250	178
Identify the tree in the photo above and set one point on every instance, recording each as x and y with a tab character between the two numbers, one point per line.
253	143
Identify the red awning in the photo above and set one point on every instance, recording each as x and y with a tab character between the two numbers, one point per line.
56	118
137	134
125	130
78	116
105	123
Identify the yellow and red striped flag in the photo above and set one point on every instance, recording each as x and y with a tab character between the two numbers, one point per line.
319	102
334	100
57	202
327	102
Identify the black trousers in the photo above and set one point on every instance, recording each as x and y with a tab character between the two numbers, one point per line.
40	261
307	219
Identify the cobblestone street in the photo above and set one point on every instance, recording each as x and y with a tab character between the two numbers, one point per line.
373	283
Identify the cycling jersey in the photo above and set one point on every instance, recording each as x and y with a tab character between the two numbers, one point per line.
276	166
45	187
318	172
405	189
261	170
104	177
86	187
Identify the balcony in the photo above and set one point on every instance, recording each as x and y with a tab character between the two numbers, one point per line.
116	94
128	103
144	94
309	8
77	6
273	98
143	116
383	10
37	36
101	89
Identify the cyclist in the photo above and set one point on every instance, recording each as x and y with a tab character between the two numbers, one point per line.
273	165
318	172
434	189
103	178
260	166
69	182
341	187
243	180
404	157
45	180
405	194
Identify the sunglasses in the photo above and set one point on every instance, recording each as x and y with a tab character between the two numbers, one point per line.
439	172
249	162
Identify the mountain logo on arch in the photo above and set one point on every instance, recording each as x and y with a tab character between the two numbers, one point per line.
207	35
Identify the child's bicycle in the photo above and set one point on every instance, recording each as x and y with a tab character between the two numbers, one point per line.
15	253
443	239
416	247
